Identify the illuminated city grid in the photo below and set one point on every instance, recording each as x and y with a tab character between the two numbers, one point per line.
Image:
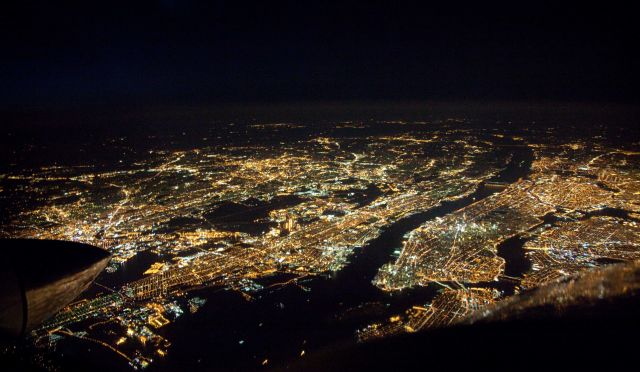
226	216
572	246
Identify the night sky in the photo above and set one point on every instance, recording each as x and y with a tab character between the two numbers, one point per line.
105	52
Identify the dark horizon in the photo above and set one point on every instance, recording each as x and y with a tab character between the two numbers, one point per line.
184	53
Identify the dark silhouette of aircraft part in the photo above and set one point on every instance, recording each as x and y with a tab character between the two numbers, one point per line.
39	277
